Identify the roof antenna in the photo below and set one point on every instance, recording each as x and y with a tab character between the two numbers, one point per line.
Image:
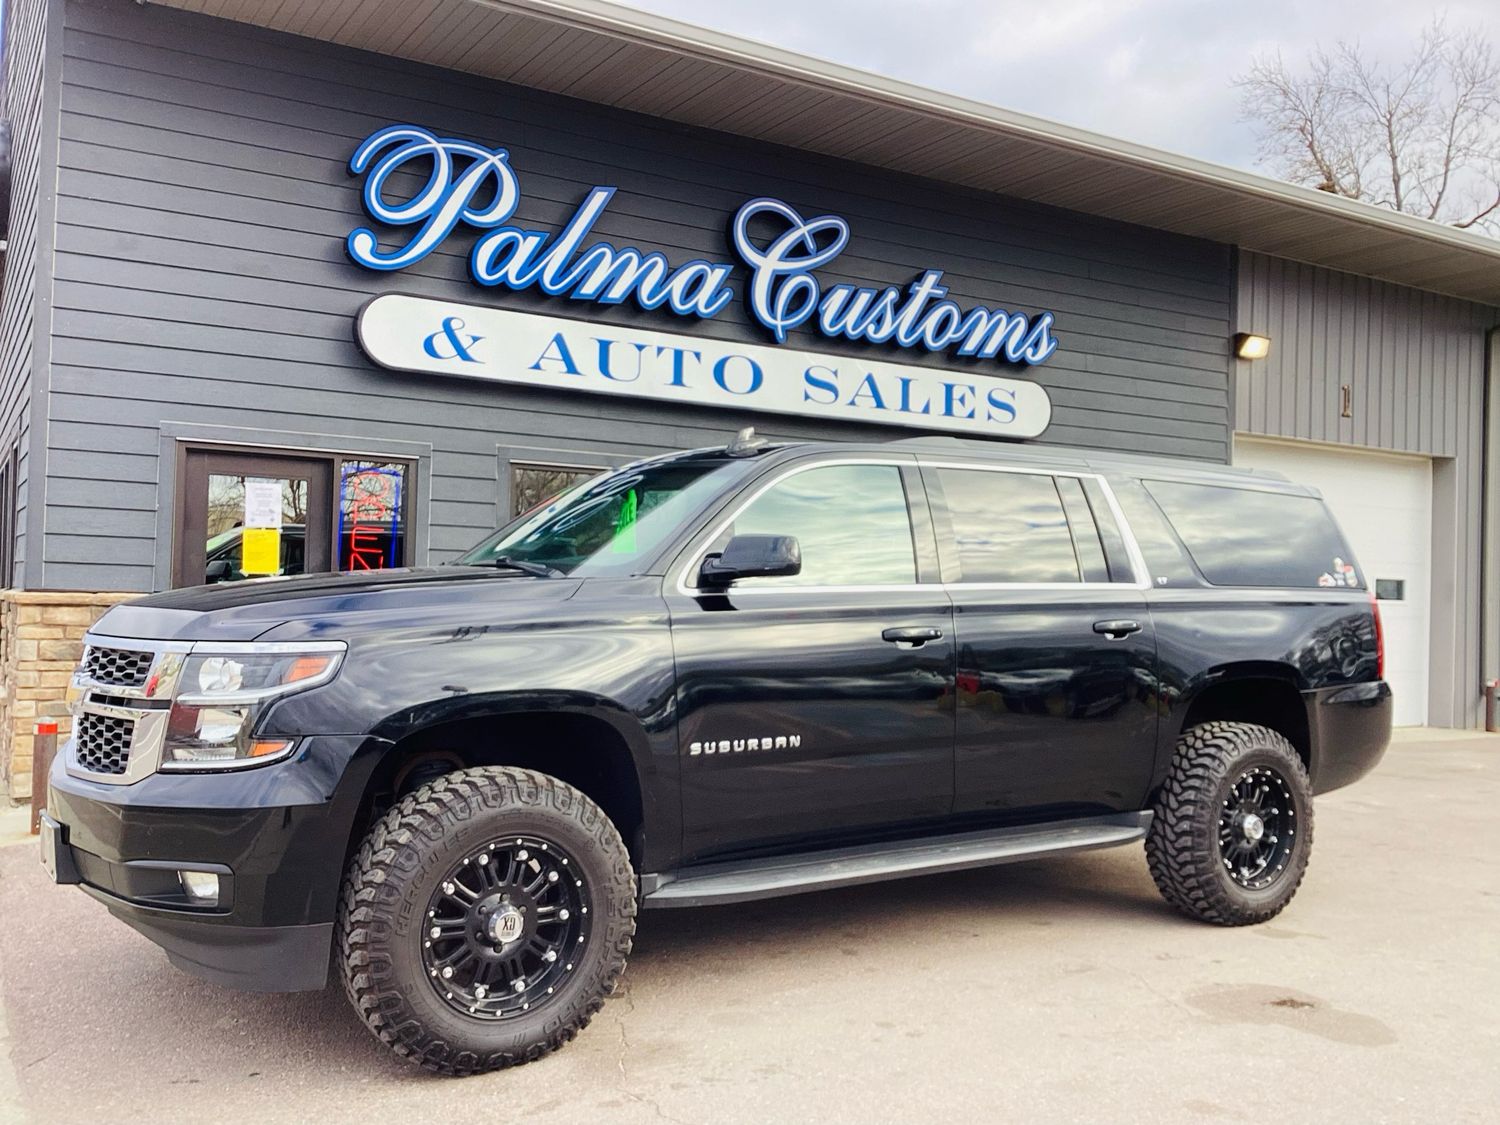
745	444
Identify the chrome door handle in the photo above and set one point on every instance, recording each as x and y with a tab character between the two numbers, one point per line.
912	636
1117	630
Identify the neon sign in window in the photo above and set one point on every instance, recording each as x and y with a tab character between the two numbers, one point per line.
372	531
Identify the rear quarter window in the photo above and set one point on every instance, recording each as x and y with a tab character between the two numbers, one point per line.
1247	537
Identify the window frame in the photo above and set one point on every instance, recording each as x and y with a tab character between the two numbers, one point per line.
947	543
513	466
917	512
408	488
332	462
1264	488
9	513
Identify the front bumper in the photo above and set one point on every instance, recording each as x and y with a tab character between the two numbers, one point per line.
276	835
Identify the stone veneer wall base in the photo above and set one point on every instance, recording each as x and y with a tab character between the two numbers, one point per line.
41	638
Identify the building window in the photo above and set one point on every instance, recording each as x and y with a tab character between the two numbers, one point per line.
372	524
531	486
245	513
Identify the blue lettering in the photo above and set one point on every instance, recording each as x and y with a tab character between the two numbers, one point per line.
559	345
783	293
906	407
908	321
1040	344
678	378
721	374
1000	409
461	184
953	400
604	365
828	384
445	200
868	386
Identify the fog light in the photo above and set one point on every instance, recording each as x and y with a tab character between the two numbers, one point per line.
202	887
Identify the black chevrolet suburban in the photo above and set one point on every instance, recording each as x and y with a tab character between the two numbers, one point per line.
710	677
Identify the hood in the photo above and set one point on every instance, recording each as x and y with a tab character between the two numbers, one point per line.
320	604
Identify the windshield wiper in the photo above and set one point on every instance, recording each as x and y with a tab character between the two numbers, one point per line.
525	566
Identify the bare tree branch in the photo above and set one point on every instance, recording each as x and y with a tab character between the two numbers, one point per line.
1421	136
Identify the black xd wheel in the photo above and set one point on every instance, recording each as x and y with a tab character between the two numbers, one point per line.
485	919
1233	824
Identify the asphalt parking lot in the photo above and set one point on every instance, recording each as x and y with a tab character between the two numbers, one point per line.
1055	990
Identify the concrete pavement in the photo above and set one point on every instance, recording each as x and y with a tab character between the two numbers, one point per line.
1055	990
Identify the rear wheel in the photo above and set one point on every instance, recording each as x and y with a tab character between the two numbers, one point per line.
1233	825
485	919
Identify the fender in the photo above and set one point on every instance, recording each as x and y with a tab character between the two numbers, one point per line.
1246	675
489	705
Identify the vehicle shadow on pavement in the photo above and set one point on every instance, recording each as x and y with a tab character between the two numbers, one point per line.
188	1032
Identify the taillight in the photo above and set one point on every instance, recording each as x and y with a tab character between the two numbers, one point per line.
1379	638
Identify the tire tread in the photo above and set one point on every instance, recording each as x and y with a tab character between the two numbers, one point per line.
1182	845
425	816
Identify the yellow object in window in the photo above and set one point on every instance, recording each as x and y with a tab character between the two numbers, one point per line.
261	550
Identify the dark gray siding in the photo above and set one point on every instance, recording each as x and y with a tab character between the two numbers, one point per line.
25	48
201	277
1415	366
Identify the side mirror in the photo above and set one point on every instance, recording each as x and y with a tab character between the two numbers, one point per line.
752	556
217	571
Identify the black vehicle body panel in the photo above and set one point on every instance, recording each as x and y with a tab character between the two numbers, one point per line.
1019	712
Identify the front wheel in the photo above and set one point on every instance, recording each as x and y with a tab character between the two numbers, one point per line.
1233	824
485	919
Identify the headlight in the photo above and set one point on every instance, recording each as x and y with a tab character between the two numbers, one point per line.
221	696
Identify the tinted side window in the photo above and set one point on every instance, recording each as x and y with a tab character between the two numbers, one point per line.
1244	537
850	520
1008	527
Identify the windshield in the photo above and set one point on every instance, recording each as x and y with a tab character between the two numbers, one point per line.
608	524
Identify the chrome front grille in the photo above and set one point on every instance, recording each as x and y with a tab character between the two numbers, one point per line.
103	743
117	667
122	698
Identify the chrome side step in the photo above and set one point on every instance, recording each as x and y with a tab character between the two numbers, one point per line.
744	880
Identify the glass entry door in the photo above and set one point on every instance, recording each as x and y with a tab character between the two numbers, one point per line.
231	502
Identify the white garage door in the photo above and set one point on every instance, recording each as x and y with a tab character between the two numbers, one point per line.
1383	502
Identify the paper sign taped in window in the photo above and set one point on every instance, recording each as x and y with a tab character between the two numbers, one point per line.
261	550
262	503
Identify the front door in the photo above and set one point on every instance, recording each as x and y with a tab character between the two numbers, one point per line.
215	488
802	713
1056	654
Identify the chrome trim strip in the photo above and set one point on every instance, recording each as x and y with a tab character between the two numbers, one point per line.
103	640
275	648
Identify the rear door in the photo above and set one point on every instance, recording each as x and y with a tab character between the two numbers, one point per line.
1055	661
802	712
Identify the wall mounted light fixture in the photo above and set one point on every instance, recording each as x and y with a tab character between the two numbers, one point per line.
1247	345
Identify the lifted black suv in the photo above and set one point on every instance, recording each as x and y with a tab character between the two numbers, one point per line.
705	678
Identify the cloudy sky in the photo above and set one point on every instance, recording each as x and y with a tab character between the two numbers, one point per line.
1154	71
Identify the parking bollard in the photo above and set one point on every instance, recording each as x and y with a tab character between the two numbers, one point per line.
1491	688
43	747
